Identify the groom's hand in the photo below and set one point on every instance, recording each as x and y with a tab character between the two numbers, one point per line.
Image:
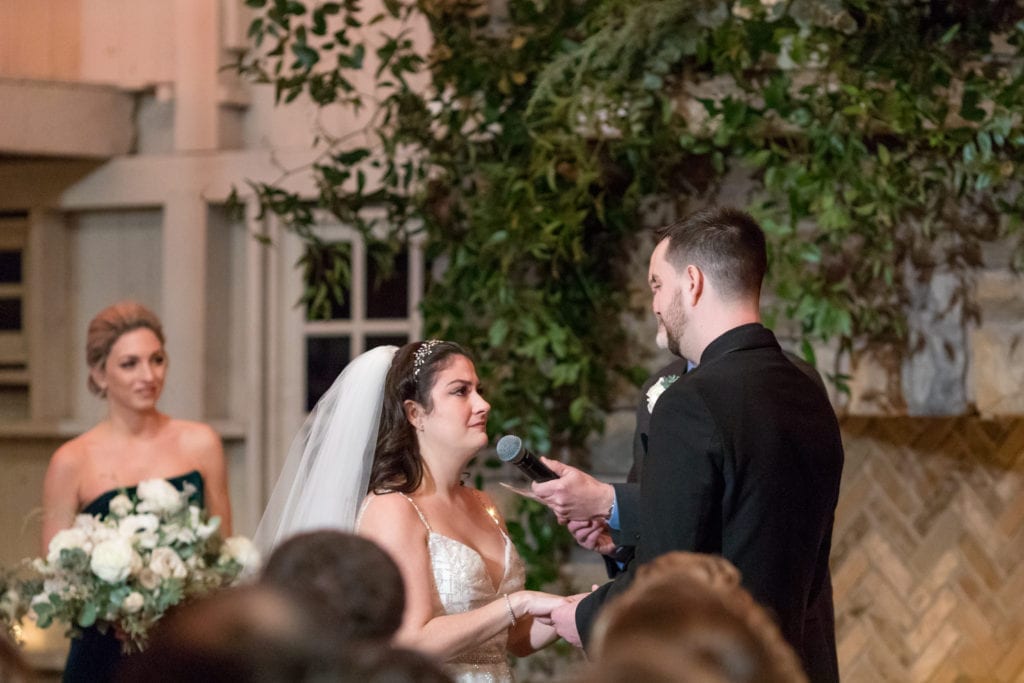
575	495
592	535
563	618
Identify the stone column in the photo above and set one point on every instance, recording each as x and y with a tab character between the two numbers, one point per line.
197	46
184	303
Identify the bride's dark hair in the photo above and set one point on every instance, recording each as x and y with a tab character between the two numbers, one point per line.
397	465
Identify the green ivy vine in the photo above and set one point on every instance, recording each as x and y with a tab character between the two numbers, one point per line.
880	140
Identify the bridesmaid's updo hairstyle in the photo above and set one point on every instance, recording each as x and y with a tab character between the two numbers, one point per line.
397	465
108	326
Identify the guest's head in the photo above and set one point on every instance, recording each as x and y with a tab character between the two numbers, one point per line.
13	668
352	582
251	633
430	401
258	633
705	274
124	337
686	618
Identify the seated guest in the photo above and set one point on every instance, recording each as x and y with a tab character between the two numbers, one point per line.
686	618
261	633
355	585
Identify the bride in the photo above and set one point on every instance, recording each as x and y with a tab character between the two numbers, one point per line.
383	453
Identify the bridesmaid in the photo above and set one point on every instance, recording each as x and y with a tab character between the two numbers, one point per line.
127	367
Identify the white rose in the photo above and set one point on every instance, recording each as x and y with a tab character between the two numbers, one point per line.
158	495
112	559
135	524
87	523
165	563
148	579
120	505
657	389
241	550
204	531
177	534
147	539
67	538
133	603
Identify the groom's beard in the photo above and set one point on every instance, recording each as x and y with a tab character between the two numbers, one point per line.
661	339
674	324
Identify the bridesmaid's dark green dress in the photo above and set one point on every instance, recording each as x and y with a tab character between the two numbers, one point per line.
94	656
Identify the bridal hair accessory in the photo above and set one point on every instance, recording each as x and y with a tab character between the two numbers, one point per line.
422	353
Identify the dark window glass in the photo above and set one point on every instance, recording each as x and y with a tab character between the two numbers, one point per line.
326	357
10	267
10	314
384	340
332	264
387	288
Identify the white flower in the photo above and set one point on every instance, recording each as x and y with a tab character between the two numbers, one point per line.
86	523
112	559
657	389
148	579
120	505
241	550
174	533
137	524
133	603
70	539
166	564
158	495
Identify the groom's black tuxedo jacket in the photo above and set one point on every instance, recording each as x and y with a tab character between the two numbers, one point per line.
744	460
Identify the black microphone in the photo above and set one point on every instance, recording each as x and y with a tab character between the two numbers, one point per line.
510	449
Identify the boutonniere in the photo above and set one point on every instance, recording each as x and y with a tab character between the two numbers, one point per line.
657	389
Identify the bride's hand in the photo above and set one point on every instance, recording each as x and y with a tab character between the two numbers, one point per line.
534	603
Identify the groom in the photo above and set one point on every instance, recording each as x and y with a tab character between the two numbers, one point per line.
744	456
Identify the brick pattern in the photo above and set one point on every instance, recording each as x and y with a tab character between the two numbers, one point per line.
928	551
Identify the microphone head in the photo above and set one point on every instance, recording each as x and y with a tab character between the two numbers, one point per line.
508	447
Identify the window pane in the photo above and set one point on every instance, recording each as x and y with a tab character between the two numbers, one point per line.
387	297
331	264
10	267
10	314
384	340
326	357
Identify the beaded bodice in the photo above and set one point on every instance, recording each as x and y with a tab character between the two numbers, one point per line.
463	584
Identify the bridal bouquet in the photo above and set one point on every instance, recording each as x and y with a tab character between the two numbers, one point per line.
152	551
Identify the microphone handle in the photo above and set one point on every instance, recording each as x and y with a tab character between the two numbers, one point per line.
536	470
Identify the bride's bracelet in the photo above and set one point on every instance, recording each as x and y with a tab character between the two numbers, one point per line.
511	613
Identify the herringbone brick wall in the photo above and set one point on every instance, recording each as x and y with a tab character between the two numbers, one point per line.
928	551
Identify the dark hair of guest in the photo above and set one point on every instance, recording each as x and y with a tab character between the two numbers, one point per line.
353	582
397	464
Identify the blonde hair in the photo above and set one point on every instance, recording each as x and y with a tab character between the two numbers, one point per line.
691	608
108	326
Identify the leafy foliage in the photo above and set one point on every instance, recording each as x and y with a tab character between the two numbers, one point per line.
880	140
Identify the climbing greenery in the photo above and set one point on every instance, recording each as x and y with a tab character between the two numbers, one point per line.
878	142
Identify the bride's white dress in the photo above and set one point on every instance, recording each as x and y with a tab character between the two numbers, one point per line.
463	583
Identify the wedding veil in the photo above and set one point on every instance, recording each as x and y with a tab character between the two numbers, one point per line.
327	471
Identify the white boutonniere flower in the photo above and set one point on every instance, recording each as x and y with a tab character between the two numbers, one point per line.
657	389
